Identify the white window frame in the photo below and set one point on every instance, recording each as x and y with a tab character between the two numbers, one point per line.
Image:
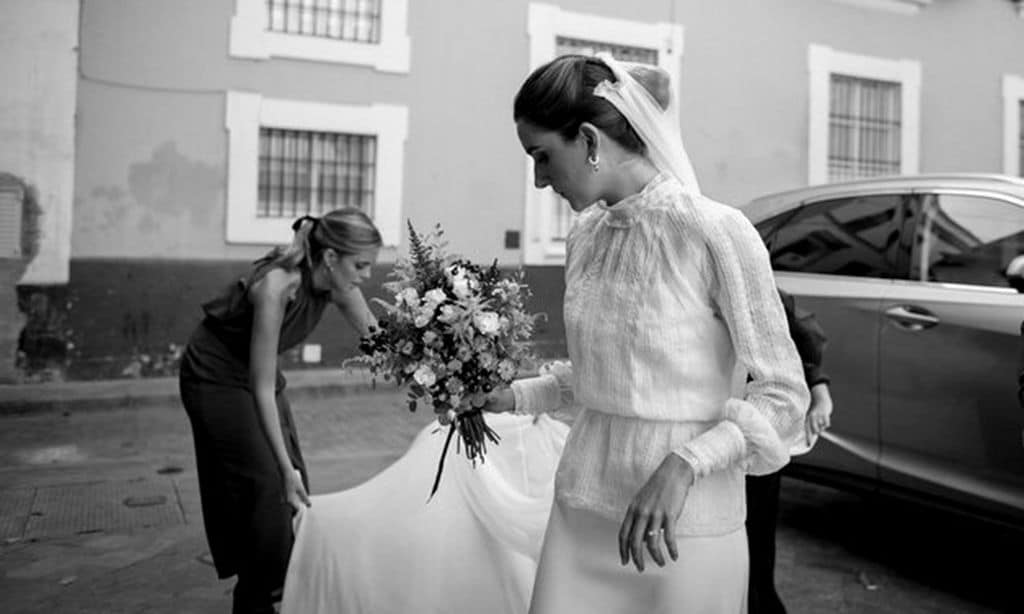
823	62
251	39
545	23
904	7
246	113
1013	96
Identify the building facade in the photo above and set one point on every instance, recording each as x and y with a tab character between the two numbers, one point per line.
164	146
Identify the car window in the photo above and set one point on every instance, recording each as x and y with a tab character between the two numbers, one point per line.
967	239
855	236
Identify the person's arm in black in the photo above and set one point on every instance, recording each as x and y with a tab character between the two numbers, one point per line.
810	341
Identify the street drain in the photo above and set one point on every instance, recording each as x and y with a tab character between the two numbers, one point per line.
145	501
169	470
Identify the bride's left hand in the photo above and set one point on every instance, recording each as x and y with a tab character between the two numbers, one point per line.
500	401
652	515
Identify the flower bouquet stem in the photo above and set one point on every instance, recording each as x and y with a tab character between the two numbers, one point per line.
473	435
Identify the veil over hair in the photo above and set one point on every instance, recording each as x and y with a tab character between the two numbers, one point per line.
658	128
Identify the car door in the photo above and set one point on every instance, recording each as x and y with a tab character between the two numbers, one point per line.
951	425
837	256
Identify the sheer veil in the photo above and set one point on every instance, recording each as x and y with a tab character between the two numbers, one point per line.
658	128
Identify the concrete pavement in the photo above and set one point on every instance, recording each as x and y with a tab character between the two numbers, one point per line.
99	512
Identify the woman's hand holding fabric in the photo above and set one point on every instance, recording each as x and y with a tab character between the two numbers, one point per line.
295	490
652	515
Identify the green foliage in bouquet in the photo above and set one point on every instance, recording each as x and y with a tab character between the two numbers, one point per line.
453	332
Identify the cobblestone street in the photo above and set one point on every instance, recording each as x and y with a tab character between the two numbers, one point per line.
99	513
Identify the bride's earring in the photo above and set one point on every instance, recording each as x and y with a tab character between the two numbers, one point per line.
595	164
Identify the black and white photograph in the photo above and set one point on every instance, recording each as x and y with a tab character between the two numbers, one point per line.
511	306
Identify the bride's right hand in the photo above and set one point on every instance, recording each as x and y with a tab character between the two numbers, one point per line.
500	401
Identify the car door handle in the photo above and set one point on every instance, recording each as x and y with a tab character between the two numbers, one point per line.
912	318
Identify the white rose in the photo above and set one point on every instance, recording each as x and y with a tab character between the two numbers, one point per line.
487	322
429	337
460	286
424	376
435	297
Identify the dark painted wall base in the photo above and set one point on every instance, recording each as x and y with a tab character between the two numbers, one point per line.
130	318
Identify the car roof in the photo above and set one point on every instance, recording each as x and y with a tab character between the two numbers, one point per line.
768	205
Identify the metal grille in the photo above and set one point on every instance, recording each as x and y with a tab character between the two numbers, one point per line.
864	128
562	218
11	196
313	172
565	45
350	20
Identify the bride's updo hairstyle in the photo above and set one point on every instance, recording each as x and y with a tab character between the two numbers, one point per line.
559	96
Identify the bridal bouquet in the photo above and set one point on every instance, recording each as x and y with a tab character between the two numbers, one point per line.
453	332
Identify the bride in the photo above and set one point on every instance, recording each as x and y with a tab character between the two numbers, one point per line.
382	548
654	389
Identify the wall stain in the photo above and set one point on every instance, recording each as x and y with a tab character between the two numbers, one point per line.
169	183
112	193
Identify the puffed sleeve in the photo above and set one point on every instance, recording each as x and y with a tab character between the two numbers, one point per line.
775	398
550	390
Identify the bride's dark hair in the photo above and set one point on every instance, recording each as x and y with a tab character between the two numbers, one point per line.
559	96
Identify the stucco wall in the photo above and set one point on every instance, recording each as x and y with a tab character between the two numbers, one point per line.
151	144
37	108
745	82
152	151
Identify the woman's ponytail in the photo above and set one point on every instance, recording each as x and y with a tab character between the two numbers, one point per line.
347	231
299	251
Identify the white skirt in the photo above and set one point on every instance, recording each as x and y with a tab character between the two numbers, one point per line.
580	572
381	548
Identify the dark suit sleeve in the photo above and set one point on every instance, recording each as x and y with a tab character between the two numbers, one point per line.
810	340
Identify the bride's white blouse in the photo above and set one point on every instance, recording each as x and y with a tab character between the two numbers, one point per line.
666	292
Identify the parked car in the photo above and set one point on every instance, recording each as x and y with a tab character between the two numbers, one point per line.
908	276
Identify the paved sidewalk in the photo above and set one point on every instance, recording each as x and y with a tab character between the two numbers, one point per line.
152	391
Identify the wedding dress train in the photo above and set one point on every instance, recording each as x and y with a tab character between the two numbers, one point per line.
382	548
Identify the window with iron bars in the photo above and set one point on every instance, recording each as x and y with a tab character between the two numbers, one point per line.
311	173
564	45
350	20
864	128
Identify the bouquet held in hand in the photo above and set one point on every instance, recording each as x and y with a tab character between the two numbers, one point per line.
453	332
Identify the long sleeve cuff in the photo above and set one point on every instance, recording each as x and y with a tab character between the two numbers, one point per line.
745	436
535	395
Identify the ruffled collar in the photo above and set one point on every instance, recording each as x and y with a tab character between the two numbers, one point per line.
624	212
